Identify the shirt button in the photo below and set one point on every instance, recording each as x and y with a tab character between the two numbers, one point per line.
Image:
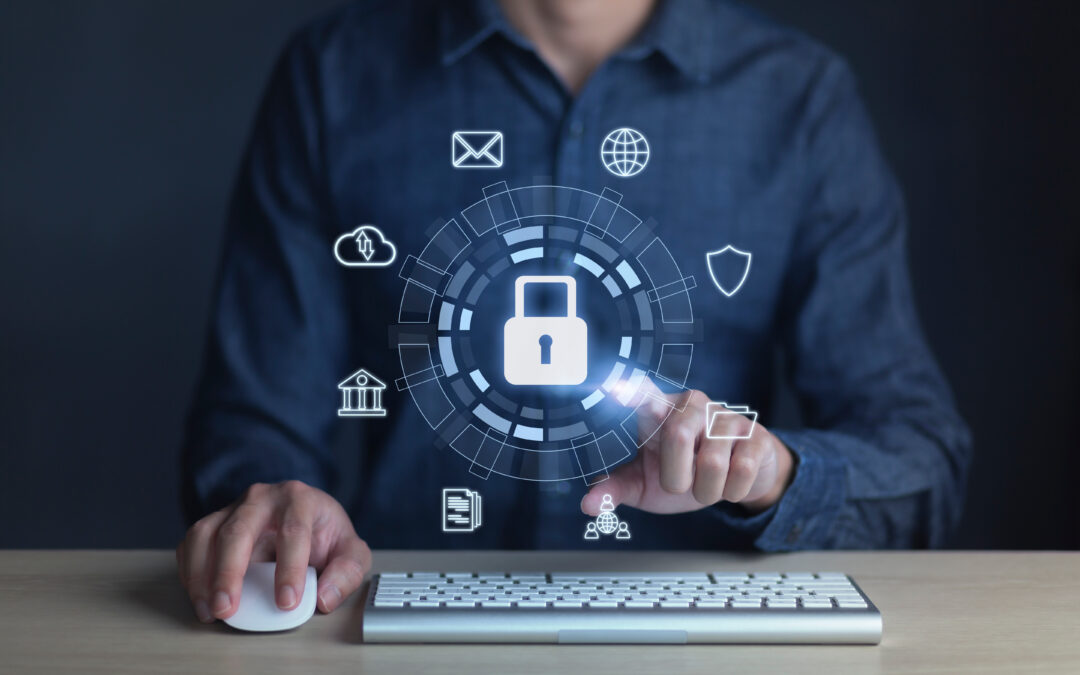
577	127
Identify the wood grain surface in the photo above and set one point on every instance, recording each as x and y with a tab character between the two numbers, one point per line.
955	612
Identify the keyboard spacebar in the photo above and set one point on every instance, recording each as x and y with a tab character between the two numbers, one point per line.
615	636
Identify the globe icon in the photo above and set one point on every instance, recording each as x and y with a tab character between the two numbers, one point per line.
624	152
607	522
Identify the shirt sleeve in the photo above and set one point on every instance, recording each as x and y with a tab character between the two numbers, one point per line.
266	398
883	458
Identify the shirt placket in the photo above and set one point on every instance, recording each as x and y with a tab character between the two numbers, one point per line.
578	143
559	505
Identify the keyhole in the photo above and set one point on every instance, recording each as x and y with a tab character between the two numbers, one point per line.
545	349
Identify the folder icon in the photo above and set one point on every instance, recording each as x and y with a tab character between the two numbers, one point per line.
713	411
476	149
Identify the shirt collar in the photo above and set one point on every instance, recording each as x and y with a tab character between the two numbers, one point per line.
680	30
466	25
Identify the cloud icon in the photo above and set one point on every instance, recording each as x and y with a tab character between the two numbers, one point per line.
364	247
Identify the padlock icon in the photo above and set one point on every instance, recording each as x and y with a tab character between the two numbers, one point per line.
545	349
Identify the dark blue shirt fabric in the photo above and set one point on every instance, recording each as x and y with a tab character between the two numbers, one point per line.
758	139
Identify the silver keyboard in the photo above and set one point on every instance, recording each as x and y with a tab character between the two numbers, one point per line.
729	607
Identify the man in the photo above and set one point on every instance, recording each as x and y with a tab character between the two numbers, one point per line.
757	136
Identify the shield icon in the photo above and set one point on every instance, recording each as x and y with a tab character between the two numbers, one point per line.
728	268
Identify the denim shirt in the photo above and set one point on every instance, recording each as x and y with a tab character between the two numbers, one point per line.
758	140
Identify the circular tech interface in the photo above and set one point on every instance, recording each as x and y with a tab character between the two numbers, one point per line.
463	333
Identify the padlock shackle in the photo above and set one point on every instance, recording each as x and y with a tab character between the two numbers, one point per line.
571	291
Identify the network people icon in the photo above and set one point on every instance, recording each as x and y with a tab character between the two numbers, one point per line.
607	522
624	152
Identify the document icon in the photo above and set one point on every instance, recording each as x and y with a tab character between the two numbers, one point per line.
713	411
477	149
460	510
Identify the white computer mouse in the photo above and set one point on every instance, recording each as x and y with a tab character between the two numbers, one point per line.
259	612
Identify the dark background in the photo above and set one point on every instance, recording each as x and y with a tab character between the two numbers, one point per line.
121	123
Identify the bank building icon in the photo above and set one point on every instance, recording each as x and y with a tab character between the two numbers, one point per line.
361	395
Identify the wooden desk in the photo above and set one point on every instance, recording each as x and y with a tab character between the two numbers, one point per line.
124	611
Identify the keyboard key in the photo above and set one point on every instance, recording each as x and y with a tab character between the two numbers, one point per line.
696	578
712	604
461	604
424	604
799	576
780	602
380	602
533	604
603	604
817	604
746	603
495	603
851	603
566	604
639	603
674	603
842	592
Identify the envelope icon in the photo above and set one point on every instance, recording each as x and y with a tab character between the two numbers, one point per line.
477	149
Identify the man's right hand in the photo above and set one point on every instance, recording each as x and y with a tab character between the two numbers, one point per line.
292	523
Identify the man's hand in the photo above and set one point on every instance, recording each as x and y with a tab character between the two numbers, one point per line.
292	523
680	469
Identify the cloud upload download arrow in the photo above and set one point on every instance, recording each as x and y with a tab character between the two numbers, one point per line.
363	243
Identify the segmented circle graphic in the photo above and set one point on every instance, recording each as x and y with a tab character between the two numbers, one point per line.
458	294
